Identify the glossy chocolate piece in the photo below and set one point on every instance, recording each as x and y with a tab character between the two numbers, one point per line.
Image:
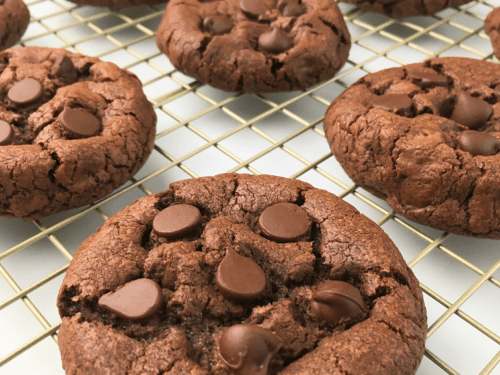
335	301
177	221
218	25
397	103
284	222
63	67
247	349
291	8
80	122
254	8
138	299
471	112
478	143
240	278
427	80
275	41
5	133
25	92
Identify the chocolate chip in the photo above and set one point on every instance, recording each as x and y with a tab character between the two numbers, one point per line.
284	222
247	349
335	301
63	67
5	133
291	8
240	278
397	103
138	299
254	8
176	221
80	122
426	80
25	92
218	25
478	143
471	112
275	41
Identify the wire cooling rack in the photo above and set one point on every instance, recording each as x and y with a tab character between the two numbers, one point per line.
204	131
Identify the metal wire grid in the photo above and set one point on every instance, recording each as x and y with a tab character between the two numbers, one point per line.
380	42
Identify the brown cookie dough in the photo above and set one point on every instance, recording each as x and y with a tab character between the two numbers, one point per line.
435	161
14	19
255	45
406	8
333	297
72	129
492	28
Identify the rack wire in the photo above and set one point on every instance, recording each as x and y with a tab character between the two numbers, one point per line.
203	131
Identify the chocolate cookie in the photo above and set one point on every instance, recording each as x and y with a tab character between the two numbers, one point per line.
118	4
406	8
240	274
255	45
72	129
426	138
492	28
14	19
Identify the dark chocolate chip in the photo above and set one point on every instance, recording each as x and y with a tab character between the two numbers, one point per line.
478	143
5	133
247	349
240	278
397	103
426	80
80	122
25	92
335	301
291	8
471	112
275	41
138	299
176	221
284	222
254	8
218	25
63	67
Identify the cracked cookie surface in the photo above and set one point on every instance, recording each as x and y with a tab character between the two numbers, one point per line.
436	161
331	256
14	19
406	8
255	46
75	129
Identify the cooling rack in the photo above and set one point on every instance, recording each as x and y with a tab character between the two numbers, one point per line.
204	131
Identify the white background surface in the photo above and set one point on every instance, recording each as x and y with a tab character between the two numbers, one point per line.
460	345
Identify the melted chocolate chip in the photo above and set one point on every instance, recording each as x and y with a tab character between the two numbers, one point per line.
176	221
335	301
138	299
79	122
218	25
426	80
5	133
291	8
275	41
63	67
284	222
478	143
471	112
254	8
247	349
240	278
397	103
25	92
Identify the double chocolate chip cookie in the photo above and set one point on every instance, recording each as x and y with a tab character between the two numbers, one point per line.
243	275
492	28
426	138
72	129
406	8
255	45
14	19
